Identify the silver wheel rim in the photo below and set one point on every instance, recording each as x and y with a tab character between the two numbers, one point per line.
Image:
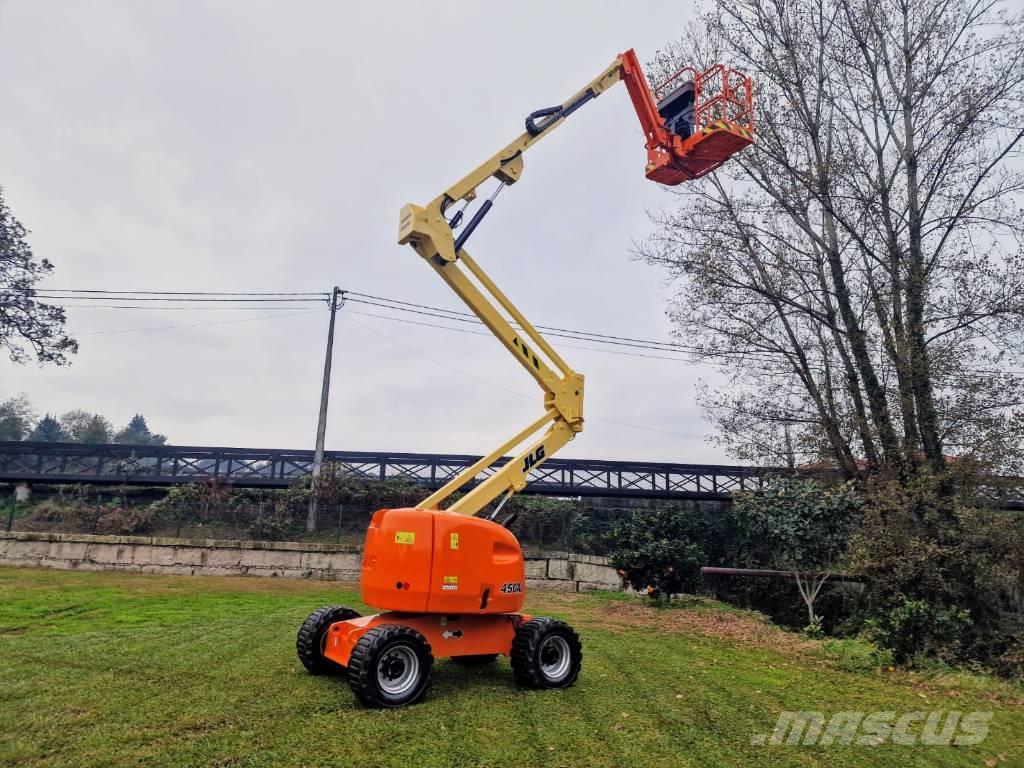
398	669
555	658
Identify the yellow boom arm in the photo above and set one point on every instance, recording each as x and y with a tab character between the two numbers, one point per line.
703	134
430	233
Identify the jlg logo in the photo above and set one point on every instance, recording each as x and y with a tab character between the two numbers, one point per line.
533	459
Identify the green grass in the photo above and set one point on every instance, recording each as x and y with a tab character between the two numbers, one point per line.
131	670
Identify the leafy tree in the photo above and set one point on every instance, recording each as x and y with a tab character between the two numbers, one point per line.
16	417
28	327
796	524
657	552
74	423
137	433
48	430
97	430
84	427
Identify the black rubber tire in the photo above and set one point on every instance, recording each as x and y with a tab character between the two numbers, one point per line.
309	644
527	665
477	660
367	655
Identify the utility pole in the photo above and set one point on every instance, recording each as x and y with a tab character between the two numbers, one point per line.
337	299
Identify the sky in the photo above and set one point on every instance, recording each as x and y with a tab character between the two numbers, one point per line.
258	146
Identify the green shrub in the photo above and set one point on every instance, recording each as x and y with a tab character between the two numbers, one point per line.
815	630
655	552
46	512
1010	663
271	521
340	485
72	517
78	516
123	521
918	544
916	628
200	502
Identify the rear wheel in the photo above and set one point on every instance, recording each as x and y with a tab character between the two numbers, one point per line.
312	639
546	654
390	666
477	660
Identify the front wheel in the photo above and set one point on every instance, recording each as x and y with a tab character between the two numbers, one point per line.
546	654
312	639
390	667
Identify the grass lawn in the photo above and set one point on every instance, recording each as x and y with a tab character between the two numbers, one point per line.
131	670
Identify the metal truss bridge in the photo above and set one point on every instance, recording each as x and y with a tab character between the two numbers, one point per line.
163	465
52	463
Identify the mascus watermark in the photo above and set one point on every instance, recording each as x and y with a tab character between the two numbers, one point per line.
869	729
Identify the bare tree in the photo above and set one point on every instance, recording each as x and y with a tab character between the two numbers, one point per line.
859	272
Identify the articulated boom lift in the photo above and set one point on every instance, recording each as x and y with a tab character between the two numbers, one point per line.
453	584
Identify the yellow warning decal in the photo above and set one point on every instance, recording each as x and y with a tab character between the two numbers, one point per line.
405	537
454	541
451	579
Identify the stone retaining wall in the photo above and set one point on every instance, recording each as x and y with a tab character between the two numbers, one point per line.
216	557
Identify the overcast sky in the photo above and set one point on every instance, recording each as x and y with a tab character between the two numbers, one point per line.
244	146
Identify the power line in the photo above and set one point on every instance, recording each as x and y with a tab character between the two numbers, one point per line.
658	346
552	330
197	325
490	336
597	338
766	371
187	293
762	368
106	297
247	307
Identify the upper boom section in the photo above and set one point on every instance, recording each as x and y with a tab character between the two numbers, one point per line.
711	115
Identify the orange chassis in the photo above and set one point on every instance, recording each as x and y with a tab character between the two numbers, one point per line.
473	635
459	581
450	586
